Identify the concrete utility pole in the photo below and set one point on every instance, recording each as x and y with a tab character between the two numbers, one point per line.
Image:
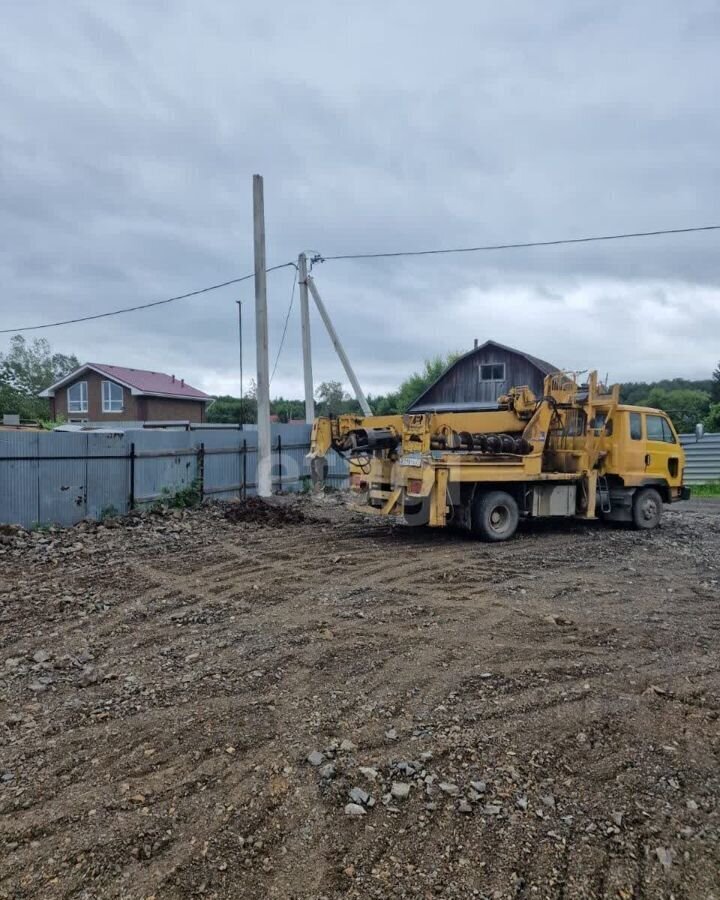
362	400
305	326
264	480
240	345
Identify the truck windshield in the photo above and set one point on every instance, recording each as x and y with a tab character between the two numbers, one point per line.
658	429
668	435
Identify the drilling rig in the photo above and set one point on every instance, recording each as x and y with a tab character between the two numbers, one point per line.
576	451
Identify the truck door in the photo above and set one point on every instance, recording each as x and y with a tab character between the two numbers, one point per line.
662	458
633	448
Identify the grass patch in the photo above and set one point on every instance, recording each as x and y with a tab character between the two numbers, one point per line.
185	498
711	489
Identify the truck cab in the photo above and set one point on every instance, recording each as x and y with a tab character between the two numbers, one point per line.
642	466
644	450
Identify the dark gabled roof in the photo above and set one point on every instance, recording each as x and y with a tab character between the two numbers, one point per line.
139	381
545	367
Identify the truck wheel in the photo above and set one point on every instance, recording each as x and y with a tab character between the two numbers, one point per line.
495	516
647	508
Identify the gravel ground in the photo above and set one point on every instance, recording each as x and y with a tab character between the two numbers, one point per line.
313	706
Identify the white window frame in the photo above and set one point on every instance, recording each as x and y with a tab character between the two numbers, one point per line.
80	405
491	380
109	404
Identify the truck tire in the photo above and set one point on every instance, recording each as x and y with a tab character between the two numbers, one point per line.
495	516
647	508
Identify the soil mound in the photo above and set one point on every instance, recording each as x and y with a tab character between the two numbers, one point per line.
260	512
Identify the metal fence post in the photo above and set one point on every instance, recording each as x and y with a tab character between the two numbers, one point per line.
132	475
279	451
200	475
244	469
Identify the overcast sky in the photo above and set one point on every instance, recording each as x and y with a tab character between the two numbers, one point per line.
130	132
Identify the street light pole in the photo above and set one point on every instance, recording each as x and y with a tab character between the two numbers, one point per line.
240	342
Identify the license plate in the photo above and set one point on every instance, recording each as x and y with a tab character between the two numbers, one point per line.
411	461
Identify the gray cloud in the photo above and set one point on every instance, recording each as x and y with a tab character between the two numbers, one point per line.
130	132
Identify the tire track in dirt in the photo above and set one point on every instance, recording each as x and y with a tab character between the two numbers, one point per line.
232	652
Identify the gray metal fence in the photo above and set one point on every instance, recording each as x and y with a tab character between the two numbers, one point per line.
702	458
62	478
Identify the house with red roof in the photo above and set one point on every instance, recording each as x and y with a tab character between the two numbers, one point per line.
97	393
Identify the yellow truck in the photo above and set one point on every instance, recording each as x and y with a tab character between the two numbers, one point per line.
574	452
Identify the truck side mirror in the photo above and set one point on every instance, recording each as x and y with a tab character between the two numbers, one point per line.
699	431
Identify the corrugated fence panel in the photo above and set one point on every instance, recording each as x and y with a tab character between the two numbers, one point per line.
290	471
702	458
108	477
62	477
223	471
19	478
291	434
289	466
155	475
337	476
251	462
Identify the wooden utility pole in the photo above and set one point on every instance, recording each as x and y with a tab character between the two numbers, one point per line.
306	346
361	398
264	480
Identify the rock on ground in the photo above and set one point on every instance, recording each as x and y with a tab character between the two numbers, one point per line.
165	677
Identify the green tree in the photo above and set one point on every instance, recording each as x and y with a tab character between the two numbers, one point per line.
384	404
715	387
418	382
712	420
331	396
684	406
25	370
286	410
636	392
227	410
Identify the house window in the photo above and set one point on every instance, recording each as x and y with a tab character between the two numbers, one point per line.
492	372
112	397
77	397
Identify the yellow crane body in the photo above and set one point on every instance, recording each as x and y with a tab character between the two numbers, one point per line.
574	452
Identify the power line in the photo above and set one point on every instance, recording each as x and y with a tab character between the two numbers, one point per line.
127	309
285	327
518	246
397	253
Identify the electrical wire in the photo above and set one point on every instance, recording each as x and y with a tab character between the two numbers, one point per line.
317	258
285	327
516	246
127	309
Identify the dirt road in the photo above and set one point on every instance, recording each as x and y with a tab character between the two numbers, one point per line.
534	719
